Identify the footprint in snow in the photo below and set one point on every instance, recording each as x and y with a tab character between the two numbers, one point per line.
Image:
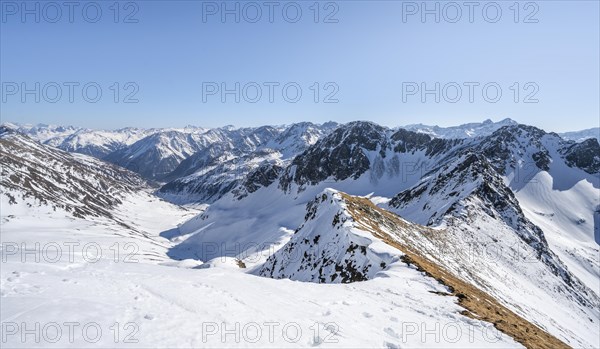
315	342
391	332
389	345
15	275
149	317
394	319
367	315
326	313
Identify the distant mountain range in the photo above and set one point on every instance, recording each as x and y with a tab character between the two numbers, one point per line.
478	129
157	154
470	130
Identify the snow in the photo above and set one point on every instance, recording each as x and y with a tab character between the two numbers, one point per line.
548	200
156	302
253	228
160	306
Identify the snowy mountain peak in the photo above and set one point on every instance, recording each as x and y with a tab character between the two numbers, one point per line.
7	129
328	248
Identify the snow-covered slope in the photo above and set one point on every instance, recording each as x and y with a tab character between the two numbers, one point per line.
161	305
76	183
496	247
563	202
462	194
50	196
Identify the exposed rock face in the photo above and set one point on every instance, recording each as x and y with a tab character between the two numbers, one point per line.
340	155
327	247
510	145
408	140
584	155
263	176
358	148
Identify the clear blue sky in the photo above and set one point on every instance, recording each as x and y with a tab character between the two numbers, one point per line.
176	46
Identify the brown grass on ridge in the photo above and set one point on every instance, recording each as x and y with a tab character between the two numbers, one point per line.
478	304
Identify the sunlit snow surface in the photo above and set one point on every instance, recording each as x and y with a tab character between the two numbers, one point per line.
139	297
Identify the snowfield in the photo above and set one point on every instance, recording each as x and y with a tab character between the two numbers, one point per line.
139	297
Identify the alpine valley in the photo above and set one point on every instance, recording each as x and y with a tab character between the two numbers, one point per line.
482	235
